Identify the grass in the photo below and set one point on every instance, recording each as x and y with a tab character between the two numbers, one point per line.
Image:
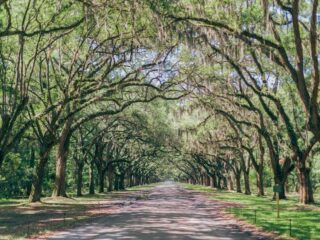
19	219
4	202
261	211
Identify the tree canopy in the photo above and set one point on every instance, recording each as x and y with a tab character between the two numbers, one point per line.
125	93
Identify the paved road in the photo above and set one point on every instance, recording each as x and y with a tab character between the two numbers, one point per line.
168	212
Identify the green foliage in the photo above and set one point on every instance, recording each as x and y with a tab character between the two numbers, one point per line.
304	220
15	177
252	14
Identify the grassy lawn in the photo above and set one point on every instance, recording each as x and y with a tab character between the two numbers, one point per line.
19	219
261	211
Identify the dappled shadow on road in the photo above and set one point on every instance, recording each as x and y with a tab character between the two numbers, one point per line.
55	213
168	212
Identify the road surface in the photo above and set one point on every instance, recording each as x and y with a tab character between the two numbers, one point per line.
166	212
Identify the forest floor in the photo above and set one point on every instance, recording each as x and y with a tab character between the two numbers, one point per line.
19	219
167	211
303	221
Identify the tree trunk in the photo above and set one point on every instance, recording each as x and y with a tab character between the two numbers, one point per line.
91	178
31	165
116	183
207	180
36	189
259	169
79	178
121	182
110	178
219	183
260	182
230	183
280	176
238	183
101	181
297	185
305	190
61	161
247	190
61	164
140	181
225	182
214	181
130	180
280	182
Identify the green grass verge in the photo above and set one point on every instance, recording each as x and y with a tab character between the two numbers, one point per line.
261	211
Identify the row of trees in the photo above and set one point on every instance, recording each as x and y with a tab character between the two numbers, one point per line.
68	70
77	77
260	85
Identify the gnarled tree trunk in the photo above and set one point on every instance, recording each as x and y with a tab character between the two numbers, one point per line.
61	161
305	190
61	164
36	189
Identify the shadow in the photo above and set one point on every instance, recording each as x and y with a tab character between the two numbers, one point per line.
169	213
55	213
